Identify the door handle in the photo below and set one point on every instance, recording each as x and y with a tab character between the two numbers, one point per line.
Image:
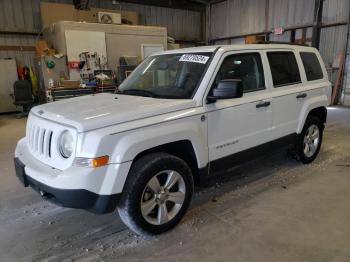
263	104
303	95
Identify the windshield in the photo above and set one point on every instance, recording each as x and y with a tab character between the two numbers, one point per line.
167	76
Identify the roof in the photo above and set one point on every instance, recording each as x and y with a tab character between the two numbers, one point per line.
225	48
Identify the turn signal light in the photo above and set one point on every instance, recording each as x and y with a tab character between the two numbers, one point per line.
91	162
99	161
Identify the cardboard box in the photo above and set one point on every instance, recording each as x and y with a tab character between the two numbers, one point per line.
253	39
172	46
70	83
42	48
54	12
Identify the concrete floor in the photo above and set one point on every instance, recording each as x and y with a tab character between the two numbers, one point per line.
274	209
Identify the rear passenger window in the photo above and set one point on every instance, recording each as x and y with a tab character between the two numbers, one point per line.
284	68
312	66
247	67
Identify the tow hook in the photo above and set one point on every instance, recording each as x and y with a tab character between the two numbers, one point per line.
44	194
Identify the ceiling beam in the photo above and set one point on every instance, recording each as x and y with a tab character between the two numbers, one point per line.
177	4
22	48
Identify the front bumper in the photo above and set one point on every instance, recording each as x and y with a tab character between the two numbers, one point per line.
94	189
72	198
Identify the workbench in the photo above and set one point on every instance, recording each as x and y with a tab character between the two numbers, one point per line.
59	93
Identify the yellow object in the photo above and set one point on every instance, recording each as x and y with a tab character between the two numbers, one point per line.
34	81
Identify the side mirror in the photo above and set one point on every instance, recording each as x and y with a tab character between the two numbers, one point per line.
228	88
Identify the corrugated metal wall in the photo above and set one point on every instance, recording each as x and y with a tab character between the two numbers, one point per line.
335	11
181	24
333	39
286	13
346	84
237	17
24	15
19	15
18	40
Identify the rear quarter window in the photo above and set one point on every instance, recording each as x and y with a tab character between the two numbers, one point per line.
312	66
284	68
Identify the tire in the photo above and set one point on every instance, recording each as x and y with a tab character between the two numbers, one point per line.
307	147
142	192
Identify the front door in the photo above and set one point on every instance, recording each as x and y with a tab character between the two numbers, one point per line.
237	124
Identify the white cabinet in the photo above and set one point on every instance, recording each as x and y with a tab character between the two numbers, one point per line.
8	76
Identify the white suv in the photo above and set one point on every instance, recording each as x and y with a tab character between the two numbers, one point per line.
181	116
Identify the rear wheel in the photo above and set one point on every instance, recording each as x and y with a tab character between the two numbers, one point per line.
310	139
157	194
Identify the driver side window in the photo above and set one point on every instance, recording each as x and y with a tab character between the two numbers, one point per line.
246	67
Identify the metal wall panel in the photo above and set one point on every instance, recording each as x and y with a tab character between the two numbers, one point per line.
25	58
236	17
335	11
19	15
181	24
346	82
287	13
332	42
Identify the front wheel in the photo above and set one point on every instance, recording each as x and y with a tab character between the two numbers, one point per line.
310	140
157	194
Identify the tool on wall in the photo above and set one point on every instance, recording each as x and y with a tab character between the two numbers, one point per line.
85	57
89	62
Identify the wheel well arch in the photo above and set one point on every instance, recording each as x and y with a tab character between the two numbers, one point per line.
182	149
320	112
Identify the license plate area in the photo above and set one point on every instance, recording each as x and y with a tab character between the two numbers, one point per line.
20	173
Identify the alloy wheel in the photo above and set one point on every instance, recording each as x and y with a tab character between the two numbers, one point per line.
311	140
163	197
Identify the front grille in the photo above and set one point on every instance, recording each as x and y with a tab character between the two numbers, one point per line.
39	140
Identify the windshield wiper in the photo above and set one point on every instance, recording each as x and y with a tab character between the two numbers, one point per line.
136	92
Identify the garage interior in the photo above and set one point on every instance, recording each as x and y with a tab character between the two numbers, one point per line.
273	209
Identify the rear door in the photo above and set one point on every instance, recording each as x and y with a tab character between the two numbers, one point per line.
314	75
286	86
238	124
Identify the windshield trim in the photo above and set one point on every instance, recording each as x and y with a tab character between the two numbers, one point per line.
205	71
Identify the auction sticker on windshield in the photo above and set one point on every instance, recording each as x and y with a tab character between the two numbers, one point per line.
202	59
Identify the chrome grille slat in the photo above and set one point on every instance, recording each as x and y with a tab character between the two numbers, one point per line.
31	136
46	144
36	138
39	140
50	140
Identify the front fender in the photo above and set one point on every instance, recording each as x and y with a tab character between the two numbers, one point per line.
132	143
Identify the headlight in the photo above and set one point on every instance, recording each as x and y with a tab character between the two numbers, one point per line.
66	144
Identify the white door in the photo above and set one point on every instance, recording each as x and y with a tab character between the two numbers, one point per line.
286	89
240	123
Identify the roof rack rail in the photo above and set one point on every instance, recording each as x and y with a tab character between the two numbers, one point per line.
280	43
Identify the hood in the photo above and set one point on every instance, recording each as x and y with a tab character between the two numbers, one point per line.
96	111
